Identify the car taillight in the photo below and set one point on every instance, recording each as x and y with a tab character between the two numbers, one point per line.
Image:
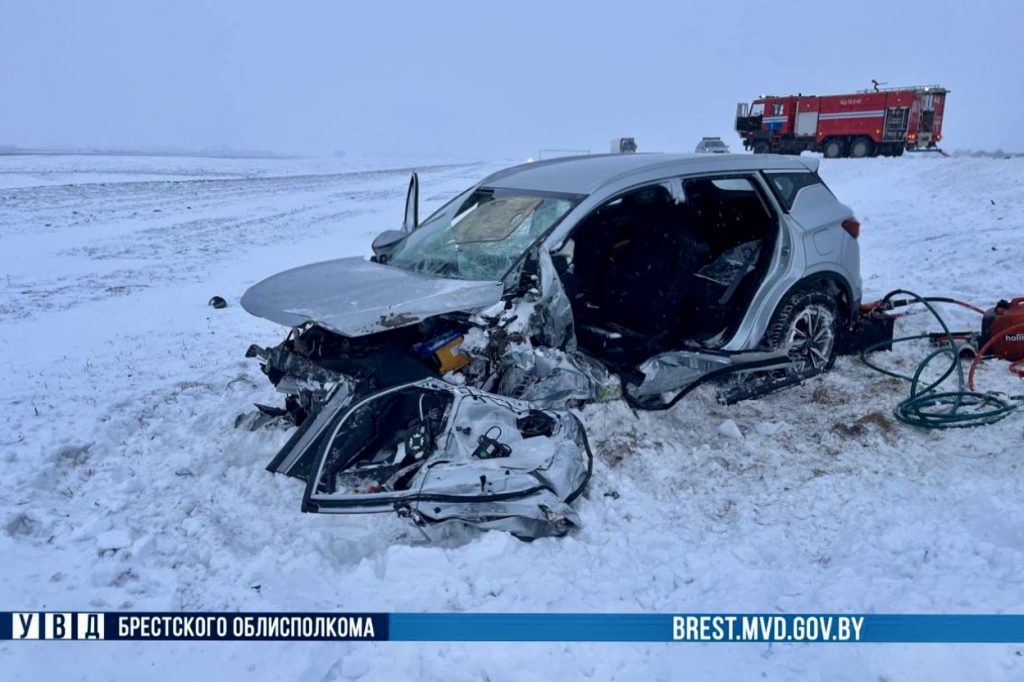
912	136
852	227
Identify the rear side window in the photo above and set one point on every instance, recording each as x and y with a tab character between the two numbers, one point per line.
786	186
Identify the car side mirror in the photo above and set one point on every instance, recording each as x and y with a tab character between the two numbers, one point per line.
385	243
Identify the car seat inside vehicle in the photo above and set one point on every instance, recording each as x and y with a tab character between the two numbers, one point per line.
650	273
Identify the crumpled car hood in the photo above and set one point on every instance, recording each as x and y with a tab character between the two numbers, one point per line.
355	297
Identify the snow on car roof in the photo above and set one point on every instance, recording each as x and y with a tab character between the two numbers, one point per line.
586	174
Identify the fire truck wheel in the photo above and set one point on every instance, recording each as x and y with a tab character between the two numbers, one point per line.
834	149
861	147
761	148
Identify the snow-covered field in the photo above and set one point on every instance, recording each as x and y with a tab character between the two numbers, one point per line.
126	486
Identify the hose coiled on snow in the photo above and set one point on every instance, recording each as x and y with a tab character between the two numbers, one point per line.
927	406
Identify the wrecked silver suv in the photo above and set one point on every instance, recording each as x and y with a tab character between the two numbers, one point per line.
552	283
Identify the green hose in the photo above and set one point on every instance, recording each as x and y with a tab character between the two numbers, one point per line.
932	409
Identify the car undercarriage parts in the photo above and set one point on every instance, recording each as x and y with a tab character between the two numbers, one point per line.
553	378
311	361
662	381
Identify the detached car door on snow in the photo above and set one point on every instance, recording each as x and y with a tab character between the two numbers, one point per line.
436	453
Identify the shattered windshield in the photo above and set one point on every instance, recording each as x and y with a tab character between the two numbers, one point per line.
482	236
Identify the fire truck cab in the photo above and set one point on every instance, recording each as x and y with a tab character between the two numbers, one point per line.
866	123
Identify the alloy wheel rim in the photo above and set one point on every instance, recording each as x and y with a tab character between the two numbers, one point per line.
812	337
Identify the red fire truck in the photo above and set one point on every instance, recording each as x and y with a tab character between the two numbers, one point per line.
867	123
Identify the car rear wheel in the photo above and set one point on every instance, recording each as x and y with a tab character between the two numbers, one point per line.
834	149
806	324
762	148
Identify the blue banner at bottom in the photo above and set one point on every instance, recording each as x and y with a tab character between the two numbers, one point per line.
718	627
514	627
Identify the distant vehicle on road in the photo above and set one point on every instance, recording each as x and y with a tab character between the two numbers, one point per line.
711	145
624	145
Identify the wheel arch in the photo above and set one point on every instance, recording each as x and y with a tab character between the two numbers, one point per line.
836	284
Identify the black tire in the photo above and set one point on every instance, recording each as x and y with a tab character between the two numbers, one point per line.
762	147
834	148
813	348
861	147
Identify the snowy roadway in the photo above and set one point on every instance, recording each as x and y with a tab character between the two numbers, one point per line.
126	486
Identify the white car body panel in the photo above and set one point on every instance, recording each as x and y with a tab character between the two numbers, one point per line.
355	297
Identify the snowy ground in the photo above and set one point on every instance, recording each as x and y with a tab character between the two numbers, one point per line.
127	487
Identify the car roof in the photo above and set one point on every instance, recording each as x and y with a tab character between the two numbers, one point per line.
587	174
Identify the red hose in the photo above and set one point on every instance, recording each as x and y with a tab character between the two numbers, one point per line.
970	306
1015	367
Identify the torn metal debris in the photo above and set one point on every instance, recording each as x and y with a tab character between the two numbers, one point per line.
436	454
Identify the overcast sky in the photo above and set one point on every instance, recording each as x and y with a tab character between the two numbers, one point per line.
480	79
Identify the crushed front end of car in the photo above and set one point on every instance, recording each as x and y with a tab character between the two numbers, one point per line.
478	443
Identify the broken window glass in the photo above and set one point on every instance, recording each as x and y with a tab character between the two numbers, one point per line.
482	237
